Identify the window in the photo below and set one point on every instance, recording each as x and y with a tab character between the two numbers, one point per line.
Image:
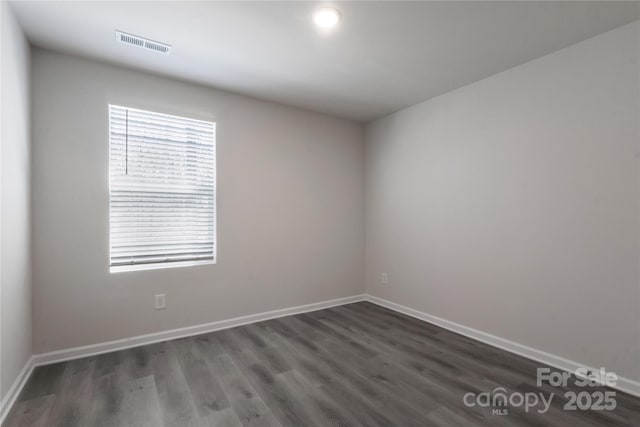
162	190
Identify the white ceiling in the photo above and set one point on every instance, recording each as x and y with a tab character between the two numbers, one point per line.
382	57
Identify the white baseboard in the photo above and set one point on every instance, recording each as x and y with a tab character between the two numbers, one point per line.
623	384
16	388
136	341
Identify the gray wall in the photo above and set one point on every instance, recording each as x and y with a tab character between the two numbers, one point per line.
290	208
15	257
511	205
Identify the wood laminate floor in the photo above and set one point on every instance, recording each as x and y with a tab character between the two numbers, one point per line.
354	365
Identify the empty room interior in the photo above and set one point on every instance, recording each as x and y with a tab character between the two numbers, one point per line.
306	213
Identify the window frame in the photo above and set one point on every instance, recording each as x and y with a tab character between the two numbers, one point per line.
164	264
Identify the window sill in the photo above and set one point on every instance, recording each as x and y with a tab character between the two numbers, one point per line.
157	266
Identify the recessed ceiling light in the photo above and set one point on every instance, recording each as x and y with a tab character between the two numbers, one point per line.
326	17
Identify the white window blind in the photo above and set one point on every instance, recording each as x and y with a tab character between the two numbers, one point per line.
162	189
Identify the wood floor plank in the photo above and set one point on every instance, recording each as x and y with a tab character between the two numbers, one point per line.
245	401
136	404
45	380
71	406
286	406
108	363
234	383
224	417
254	412
323	408
362	349
368	390
322	376
176	402
138	361
354	365
31	413
206	393
264	352
113	386
429	357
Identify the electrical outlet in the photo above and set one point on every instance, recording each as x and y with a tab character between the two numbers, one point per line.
161	301
384	278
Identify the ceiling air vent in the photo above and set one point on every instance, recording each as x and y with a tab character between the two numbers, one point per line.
143	43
